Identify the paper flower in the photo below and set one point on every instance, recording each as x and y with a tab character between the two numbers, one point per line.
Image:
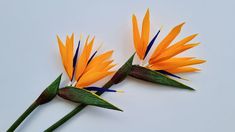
164	56
80	96
85	69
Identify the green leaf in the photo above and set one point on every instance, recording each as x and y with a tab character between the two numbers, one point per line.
50	92
85	97
155	77
123	72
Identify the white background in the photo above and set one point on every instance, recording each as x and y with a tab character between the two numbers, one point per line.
30	60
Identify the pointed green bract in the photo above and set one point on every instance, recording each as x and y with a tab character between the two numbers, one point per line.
85	97
50	92
123	72
155	77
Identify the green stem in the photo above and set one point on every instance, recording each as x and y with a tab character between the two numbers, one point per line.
23	116
74	111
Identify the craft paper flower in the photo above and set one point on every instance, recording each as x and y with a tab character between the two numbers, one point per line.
164	56
85	69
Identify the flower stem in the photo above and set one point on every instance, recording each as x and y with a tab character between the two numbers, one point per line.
75	111
23	116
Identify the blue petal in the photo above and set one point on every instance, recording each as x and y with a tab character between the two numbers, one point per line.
76	55
93	55
75	59
99	89
168	73
151	44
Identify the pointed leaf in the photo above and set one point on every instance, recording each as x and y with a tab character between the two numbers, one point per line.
155	77
85	97
123	72
50	92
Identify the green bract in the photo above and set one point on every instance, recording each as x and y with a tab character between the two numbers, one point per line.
86	97
50	92
155	77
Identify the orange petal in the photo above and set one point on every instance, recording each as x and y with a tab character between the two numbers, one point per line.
136	36
182	42
173	52
100	67
99	59
109	67
89	78
174	63
183	70
145	33
166	42
63	54
83	59
62	50
69	55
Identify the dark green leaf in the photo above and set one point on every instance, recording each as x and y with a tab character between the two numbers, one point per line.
50	92
85	97
123	72
155	77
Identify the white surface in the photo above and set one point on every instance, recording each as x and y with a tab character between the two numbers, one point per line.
30	61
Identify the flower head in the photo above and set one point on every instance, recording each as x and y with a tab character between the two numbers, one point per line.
86	68
163	57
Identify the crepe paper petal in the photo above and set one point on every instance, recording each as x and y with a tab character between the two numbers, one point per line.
69	55
99	59
100	89
166	41
151	44
93	55
100	68
170	74
123	72
50	92
141	42
145	33
183	70
85	97
83	59
109	67
155	77
181	42
173	63
46	96
136	37
76	54
171	53
66	52
91	77
62	49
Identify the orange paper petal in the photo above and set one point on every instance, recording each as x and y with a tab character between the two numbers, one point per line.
166	42
145	34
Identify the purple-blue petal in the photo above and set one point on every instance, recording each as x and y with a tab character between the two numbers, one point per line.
168	73
76	55
93	55
151	44
99	89
75	59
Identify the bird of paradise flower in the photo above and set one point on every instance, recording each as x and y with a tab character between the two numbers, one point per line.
162	61
163	58
82	72
87	68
